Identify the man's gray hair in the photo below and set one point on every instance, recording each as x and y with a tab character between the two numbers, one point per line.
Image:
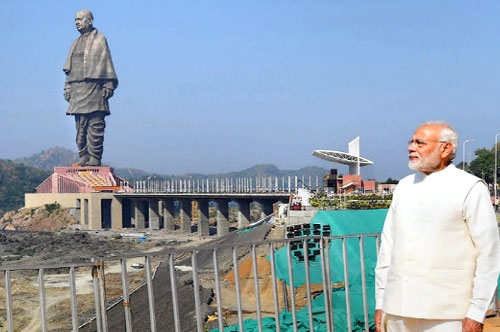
448	134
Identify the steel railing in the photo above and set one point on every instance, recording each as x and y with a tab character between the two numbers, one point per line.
228	184
208	266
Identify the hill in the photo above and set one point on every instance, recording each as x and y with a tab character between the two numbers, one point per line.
16	179
47	159
261	171
58	156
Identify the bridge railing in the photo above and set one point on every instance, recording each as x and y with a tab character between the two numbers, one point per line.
274	285
227	184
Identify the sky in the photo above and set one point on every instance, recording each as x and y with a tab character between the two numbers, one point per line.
218	86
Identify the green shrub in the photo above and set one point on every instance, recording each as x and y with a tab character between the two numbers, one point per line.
354	202
52	207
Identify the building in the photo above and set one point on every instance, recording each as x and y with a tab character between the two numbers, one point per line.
88	192
334	184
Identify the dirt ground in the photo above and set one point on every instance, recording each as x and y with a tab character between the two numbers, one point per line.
70	246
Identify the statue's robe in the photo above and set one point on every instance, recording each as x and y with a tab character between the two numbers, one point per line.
89	68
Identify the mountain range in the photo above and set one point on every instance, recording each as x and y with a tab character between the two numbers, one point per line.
23	175
58	156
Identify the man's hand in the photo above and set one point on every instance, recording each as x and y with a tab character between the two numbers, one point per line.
66	94
107	93
469	325
378	320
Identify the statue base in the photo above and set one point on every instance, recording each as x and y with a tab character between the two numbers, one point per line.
83	179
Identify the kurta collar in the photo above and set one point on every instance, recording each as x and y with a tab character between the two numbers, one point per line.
419	176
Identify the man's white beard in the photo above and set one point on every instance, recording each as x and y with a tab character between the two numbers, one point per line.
429	163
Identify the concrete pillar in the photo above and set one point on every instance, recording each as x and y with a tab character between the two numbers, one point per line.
94	211
203	220
139	213
168	212
185	215
243	213
222	217
116	214
154	215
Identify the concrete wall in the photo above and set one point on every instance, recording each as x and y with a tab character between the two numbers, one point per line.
86	207
300	217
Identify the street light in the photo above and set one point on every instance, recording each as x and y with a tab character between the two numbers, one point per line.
463	151
495	171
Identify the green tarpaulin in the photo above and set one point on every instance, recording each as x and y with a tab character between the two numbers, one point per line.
340	222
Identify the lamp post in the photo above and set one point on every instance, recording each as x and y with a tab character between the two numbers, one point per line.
495	171
463	152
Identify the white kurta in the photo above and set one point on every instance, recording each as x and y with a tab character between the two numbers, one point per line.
440	253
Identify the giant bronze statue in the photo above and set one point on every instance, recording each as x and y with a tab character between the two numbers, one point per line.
90	82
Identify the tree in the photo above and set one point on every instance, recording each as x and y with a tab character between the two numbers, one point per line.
482	166
391	181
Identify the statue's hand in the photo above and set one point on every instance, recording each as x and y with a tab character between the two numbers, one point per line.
66	94
107	93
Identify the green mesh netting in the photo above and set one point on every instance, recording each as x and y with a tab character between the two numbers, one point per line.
341	222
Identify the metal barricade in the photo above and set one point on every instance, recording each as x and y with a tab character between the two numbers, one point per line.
246	279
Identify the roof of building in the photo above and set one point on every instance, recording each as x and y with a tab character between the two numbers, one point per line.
341	157
83	180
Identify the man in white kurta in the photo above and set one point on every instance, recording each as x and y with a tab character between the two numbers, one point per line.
439	259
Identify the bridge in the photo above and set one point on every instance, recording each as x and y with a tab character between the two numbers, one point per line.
99	199
157	210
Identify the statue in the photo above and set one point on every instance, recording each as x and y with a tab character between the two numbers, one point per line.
90	82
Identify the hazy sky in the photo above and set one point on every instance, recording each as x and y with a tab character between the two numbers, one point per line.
217	86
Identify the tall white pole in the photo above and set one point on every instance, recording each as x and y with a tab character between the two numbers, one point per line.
463	152
495	171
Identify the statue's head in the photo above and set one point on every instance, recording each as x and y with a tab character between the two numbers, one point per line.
84	20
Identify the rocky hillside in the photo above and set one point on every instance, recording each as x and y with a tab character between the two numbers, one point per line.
48	218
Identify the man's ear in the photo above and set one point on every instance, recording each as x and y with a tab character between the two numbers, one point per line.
446	150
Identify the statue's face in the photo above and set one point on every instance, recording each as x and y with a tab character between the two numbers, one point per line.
83	21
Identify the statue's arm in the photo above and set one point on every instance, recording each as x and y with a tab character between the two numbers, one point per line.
108	88
107	93
66	91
